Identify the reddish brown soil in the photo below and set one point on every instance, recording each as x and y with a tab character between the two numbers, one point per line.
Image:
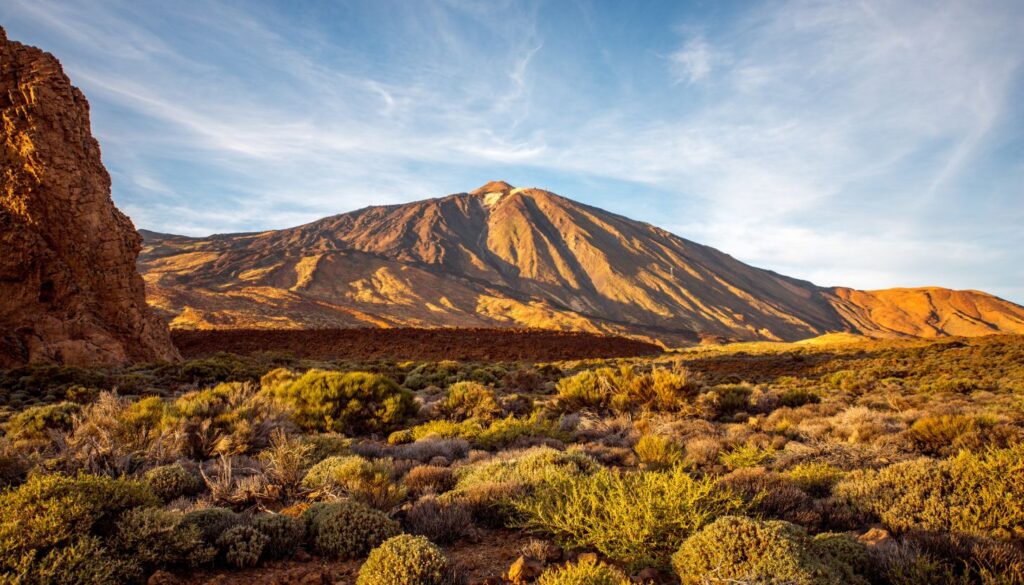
482	561
412	344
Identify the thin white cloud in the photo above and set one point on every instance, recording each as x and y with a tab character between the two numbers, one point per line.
692	62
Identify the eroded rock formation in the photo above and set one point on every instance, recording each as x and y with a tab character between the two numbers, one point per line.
69	290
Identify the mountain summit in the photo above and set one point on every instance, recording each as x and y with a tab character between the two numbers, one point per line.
523	257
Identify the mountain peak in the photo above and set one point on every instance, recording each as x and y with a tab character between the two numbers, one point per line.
493	187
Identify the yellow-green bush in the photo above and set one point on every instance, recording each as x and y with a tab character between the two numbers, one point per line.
586	389
747	455
737	548
636	518
947	434
626	389
438	429
586	572
231	418
52	511
503	432
347	530
469	400
352	403
84	560
35	422
816	477
498	434
406	560
528	468
370	482
658	451
974	493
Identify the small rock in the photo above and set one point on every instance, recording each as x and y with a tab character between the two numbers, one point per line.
524	570
876	537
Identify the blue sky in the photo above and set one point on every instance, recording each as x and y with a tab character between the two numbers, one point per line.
868	144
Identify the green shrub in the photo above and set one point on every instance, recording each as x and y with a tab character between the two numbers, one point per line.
324	445
470	400
847	550
347	530
795	397
972	493
158	539
369	482
169	482
34	422
285	534
657	451
947	434
211	522
406	560
352	403
51	511
731	398
528	468
635	518
441	521
242	545
585	572
736	548
84	560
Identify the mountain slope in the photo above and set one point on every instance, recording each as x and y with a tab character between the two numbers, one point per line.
501	256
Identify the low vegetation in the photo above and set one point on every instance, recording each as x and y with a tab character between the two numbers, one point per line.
896	462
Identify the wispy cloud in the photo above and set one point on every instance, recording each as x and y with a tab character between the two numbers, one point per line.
692	62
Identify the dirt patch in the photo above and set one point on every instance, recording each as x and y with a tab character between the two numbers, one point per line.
412	344
484	560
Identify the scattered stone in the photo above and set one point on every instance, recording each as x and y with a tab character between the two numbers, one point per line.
524	570
876	537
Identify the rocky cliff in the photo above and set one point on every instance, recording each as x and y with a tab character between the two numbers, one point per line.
69	290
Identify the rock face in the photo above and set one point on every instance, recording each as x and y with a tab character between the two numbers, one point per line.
501	256
69	290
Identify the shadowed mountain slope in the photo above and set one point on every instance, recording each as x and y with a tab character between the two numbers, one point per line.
502	256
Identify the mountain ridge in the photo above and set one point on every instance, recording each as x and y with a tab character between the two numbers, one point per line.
506	256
